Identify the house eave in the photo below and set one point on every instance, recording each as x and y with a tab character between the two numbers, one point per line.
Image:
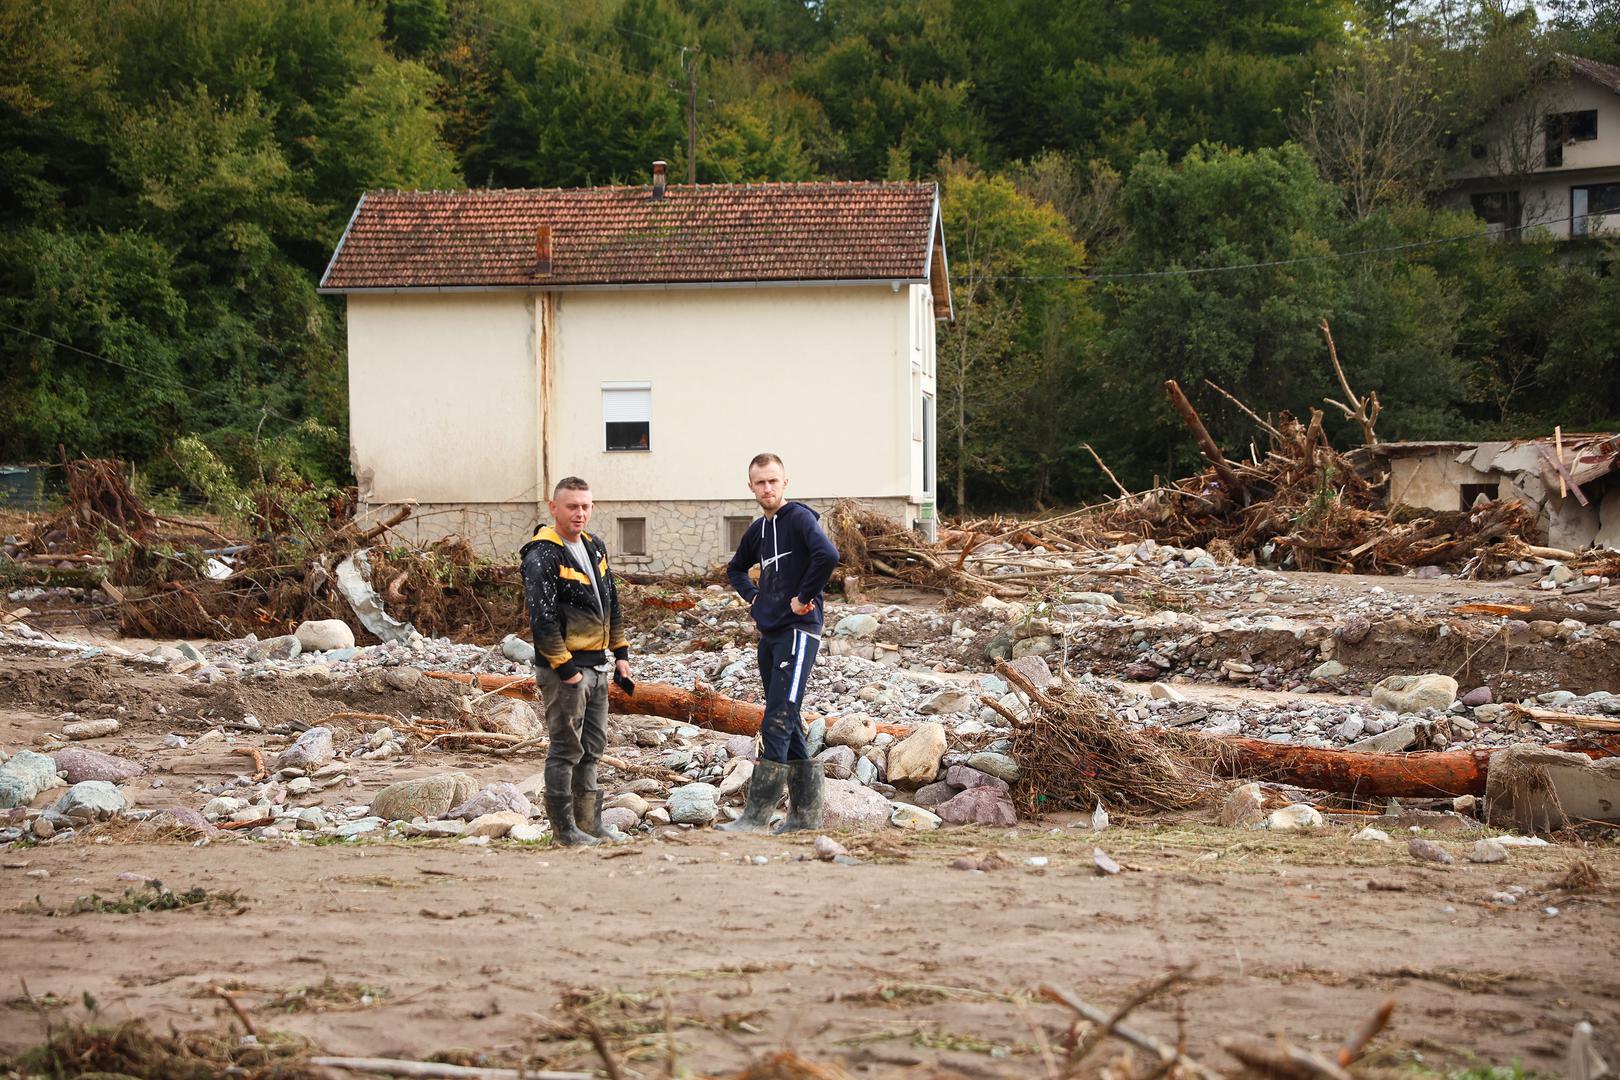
660	286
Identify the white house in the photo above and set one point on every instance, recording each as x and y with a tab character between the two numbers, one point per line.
649	339
1550	160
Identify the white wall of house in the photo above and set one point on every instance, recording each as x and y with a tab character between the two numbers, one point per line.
446	409
442	397
1547	193
818	375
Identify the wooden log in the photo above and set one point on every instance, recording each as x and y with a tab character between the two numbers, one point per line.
700	706
1431	774
1206	442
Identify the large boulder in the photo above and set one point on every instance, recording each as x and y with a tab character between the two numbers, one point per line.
309	751
76	764
966	776
950	700
978	806
847	804
92	800
915	759
1000	766
24	775
324	635
426	796
1414	693
856	626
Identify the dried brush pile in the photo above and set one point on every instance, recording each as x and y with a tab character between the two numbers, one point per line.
133	1050
1074	753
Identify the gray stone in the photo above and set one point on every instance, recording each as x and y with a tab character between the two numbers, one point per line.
424	797
620	817
1034	670
853	731
76	764
1427	851
509	716
979	806
1479	695
1488	850
839	762
190	652
951	700
91	800
742	746
966	776
934	794
402	678
628	800
736	776
517	650
497	797
182	819
323	635
915	759
914	818
1414	693
849	805
999	647
285	647
866	771
815	736
360	827
90	729
495	825
1387	742
694	804
1040	645
24	775
856	626
1330	669
1244	807
1354	630
309	751
997	765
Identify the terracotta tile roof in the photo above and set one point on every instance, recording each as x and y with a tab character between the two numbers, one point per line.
621	235
1606	74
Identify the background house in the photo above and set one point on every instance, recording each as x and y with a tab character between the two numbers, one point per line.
1575	508
1550	160
649	339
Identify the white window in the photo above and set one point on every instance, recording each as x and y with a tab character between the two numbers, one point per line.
735	527
627	415
916	407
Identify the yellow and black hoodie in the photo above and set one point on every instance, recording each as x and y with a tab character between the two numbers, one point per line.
575	625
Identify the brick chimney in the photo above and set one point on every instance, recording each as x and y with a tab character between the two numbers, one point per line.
659	168
542	249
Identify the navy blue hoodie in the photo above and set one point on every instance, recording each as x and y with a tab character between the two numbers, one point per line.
795	560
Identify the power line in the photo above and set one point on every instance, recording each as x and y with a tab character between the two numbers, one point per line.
1329	257
147	372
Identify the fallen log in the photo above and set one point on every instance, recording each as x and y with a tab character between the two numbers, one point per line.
700	705
1349	772
1223	468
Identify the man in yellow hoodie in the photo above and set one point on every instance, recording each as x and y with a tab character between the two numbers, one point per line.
580	648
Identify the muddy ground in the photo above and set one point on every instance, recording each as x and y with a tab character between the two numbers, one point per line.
698	952
684	943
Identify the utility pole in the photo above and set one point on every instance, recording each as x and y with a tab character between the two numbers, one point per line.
689	62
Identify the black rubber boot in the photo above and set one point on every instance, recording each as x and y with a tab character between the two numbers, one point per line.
588	813
560	809
805	780
764	791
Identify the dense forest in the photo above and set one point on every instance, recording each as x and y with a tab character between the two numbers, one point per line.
1133	190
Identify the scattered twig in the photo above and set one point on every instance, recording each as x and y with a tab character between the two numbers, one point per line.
1250	413
1356	1044
1136	1038
1146	993
1282	1061
260	772
599	1041
1363	411
1106	470
236	1007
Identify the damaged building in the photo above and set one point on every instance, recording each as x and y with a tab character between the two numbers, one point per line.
1570	481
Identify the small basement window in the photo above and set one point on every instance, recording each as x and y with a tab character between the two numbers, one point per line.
632	536
1470	492
627	415
735	527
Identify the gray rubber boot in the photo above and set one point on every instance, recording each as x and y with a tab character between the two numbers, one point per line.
805	782
764	791
560	809
588	813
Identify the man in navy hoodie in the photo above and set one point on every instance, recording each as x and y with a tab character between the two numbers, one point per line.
795	559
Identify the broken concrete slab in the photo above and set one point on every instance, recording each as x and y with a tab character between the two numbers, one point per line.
1532	789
